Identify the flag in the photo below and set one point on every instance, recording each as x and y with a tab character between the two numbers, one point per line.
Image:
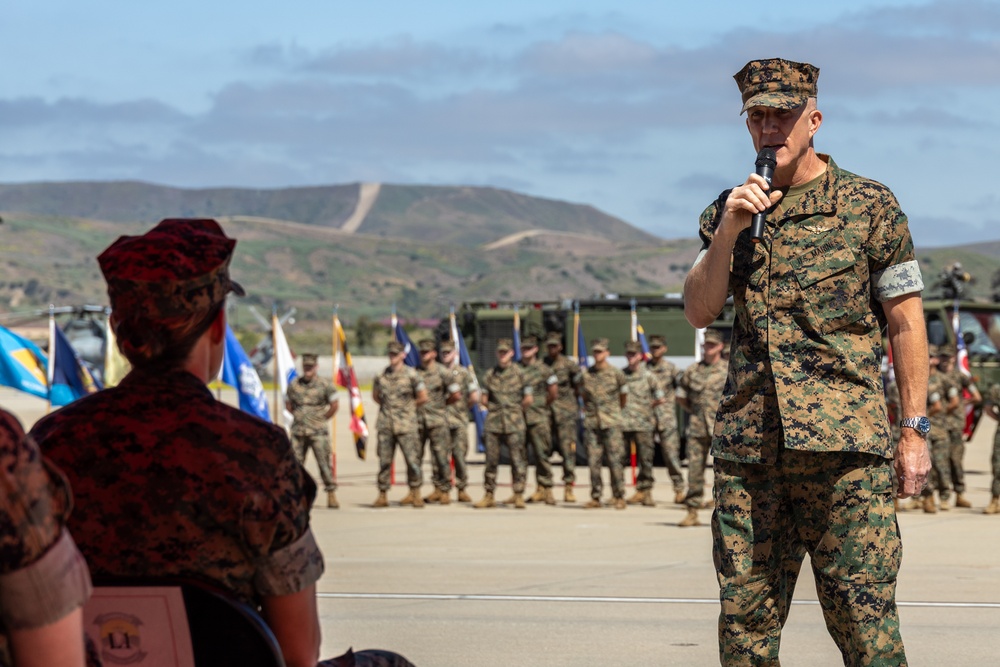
238	372
116	366
517	335
412	355
69	378
699	343
478	409
343	374
284	370
22	364
639	335
580	347
962	362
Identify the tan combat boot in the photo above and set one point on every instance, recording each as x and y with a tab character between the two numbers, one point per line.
381	501
993	507
690	520
637	498
487	501
464	497
944	506
445	498
647	500
568	494
509	500
962	501
549	498
592	504
434	497
331	500
519	501
930	507
708	504
620	504
916	502
680	496
408	498
418	502
537	497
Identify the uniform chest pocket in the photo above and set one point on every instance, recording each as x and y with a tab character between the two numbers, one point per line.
833	291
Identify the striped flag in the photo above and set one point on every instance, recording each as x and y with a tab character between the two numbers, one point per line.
22	364
639	335
962	362
344	376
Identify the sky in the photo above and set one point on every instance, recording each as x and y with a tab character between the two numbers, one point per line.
625	105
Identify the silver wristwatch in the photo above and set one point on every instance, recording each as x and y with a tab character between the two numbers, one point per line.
921	425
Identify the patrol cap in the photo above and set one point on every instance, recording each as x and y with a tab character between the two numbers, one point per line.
529	341
947	351
308	359
447	346
394	347
714	336
505	345
656	340
633	347
777	83
426	345
599	345
933	350
553	338
179	268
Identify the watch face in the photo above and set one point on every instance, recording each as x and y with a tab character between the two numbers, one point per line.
924	425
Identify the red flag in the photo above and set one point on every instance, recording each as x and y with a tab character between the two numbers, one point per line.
345	377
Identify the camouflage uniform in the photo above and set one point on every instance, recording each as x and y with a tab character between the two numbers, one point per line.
504	388
958	383
938	440
397	424
601	390
666	419
702	385
433	422
457	416
638	421
538	433
992	398
795	471
310	400
43	577
565	412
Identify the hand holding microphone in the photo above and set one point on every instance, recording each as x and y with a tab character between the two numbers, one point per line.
766	161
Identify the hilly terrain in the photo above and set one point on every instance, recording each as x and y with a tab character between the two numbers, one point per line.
364	247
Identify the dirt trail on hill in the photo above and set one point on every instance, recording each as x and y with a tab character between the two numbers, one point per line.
366	199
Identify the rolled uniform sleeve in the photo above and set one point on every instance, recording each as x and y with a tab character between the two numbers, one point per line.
291	568
893	268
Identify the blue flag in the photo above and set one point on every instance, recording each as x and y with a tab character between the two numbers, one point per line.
22	364
412	354
69	377
478	411
238	372
517	336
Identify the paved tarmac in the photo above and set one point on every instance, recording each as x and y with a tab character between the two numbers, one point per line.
457	587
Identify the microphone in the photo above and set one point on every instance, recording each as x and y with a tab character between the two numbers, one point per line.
766	161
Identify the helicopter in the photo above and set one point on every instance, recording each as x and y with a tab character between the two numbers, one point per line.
86	331
262	354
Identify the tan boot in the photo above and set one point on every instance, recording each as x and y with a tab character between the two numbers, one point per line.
647	500
568	494
620	504
636	498
944	506
895	504
690	520
930	507
444	498
381	501
962	501
509	500
331	500
434	497
916	502
549	498
519	501
418	502
464	497
487	501
536	497
592	504
408	498
680	496
708	505
993	507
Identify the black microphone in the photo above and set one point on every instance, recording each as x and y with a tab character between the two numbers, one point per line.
766	161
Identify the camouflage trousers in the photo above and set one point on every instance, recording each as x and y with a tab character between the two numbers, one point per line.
518	460
835	506
367	658
440	443
458	447
409	444
956	457
539	437
319	443
605	443
564	430
643	441
670	445
940	477
995	488
698	449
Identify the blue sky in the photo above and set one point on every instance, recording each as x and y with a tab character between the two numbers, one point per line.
625	105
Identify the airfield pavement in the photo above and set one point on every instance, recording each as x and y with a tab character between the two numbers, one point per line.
449	586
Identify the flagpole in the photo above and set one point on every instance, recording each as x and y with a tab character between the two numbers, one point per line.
50	371
274	349
333	380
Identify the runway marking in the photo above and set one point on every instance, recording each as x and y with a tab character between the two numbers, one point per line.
604	600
